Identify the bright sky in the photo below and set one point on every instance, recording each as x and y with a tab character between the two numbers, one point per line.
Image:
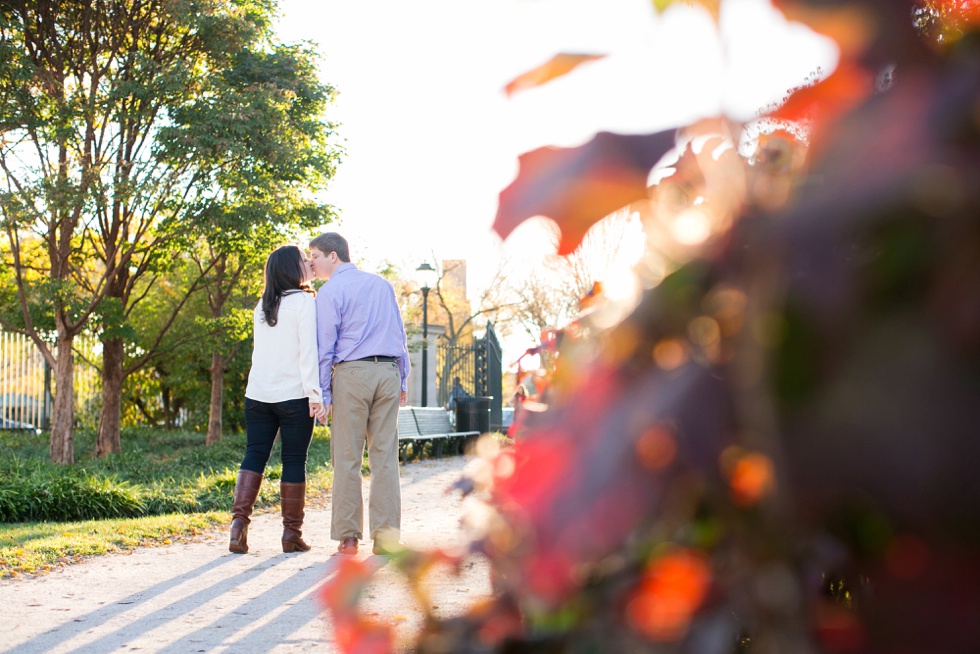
431	139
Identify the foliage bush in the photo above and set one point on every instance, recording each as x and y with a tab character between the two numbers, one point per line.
773	448
42	492
158	472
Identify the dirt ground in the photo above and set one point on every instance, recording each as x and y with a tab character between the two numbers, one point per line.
198	597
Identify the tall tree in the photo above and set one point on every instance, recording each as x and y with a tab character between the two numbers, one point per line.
129	128
448	303
549	295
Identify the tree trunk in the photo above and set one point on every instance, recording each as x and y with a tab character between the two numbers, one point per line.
62	447
217	395
107	441
169	411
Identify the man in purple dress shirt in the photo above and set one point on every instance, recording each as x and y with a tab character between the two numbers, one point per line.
363	373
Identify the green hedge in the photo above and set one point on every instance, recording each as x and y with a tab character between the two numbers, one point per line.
158	472
31	493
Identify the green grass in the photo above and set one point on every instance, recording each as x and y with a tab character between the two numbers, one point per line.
37	547
163	486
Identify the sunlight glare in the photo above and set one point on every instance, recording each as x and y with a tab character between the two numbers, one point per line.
622	290
691	227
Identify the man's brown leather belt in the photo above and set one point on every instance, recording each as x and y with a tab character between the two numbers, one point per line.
378	359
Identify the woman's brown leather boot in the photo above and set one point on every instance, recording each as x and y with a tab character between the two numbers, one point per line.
246	492
293	496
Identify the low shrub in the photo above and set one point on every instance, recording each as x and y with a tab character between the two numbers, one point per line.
158	472
44	492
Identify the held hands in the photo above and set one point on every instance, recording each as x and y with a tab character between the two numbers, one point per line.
319	411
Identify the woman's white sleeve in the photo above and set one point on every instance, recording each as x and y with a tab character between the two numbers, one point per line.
308	358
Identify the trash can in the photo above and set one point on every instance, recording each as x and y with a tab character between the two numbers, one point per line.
473	414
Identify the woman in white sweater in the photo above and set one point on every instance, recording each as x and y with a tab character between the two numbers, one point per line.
282	396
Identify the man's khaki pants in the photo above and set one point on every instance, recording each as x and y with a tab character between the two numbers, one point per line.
365	409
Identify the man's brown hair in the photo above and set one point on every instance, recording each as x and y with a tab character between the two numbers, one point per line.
332	242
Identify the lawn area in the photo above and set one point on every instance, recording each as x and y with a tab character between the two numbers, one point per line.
163	486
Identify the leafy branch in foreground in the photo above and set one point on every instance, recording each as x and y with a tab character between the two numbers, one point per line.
775	450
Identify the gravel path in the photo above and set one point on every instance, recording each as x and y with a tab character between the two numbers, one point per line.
197	597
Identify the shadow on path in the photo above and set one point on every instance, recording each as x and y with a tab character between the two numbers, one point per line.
67	631
255	606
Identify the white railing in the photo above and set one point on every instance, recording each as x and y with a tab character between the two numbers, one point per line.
27	383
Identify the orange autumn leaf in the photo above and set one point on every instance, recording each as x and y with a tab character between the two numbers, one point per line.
838	629
669	594
353	632
576	187
497	622
824	102
947	21
966	12
362	636
342	591
561	64
751	478
656	448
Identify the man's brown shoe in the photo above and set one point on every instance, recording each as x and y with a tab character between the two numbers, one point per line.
348	546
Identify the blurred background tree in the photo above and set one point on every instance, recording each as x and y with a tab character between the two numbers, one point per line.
550	296
461	315
131	133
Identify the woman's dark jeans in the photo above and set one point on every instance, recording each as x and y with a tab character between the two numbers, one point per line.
292	420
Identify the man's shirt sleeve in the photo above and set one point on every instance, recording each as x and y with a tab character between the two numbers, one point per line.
327	320
404	366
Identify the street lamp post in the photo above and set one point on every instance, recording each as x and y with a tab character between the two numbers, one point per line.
426	274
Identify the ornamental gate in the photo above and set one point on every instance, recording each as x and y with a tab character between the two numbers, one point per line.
479	367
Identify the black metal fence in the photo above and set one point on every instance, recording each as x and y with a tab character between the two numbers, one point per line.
454	362
479	368
489	372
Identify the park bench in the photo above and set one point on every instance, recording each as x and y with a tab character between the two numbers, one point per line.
408	434
420	425
434	423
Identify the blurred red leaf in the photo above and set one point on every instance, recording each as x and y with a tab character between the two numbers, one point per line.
576	187
958	11
951	19
561	64
838	629
353	633
341	591
829	99
578	487
751	478
359	636
669	593
967	11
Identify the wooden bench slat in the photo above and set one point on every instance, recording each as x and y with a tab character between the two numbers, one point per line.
419	425
407	426
434	422
408	434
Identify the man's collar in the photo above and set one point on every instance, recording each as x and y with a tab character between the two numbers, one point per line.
342	267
